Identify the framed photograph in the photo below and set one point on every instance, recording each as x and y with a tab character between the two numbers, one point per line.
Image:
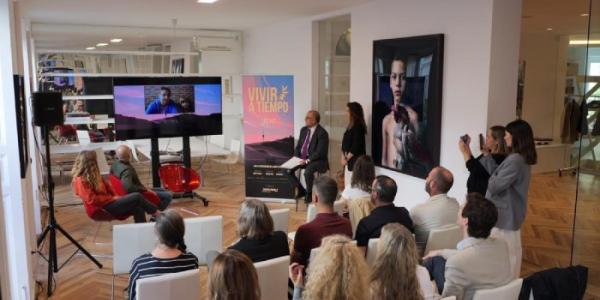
21	113
407	103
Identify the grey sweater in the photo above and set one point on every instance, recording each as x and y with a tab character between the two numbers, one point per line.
507	189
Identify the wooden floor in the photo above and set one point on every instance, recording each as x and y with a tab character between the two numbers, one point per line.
547	232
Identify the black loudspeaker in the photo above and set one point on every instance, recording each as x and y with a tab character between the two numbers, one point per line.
47	109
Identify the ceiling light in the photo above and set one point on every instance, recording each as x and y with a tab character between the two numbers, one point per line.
101	44
116	40
584	42
90	48
207	1
549	29
585	15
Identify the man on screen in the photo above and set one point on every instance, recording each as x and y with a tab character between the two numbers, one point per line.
312	148
164	104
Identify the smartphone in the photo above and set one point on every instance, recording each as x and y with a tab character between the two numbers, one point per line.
465	138
481	142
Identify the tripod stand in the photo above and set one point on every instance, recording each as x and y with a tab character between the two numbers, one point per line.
53	225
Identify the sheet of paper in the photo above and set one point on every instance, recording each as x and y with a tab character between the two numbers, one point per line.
291	163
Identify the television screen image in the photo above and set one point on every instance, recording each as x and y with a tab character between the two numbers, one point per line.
167	107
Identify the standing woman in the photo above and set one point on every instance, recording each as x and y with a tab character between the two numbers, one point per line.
508	187
493	153
353	143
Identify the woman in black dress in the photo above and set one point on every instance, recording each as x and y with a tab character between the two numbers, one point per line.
493	153
353	143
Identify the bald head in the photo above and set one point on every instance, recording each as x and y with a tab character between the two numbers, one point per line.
439	181
123	153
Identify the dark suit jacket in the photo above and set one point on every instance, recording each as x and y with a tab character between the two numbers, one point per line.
317	149
129	177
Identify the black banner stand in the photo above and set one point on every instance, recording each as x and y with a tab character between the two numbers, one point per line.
187	162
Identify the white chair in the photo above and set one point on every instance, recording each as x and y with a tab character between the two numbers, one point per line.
129	242
182	286
102	162
445	237
83	137
233	157
203	234
311	214
272	278
281	218
507	292
372	251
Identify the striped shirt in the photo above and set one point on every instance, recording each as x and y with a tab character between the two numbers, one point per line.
150	266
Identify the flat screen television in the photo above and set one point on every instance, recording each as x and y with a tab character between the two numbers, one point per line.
147	107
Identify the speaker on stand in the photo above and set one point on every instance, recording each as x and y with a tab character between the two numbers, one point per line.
47	113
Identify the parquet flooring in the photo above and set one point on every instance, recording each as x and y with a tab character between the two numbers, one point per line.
547	231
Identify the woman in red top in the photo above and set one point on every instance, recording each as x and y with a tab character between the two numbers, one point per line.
95	191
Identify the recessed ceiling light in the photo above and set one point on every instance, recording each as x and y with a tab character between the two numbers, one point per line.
101	44
206	1
549	28
585	15
90	48
116	40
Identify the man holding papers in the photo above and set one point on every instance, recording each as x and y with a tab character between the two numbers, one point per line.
312	149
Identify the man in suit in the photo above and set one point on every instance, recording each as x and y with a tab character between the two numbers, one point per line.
312	148
480	261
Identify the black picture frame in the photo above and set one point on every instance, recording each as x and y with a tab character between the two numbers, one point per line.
413	128
21	117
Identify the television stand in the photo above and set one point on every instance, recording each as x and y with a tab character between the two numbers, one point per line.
187	162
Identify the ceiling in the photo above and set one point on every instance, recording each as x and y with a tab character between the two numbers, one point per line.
224	14
563	16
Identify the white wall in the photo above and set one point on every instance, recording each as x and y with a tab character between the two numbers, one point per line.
16	199
467	24
540	53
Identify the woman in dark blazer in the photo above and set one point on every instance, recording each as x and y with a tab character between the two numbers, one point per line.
353	143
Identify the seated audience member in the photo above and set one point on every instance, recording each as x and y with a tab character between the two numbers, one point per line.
439	210
312	148
79	109
396	273
383	193
493	153
362	179
357	194
338	272
481	261
257	238
123	169
327	221
169	255
233	277
95	191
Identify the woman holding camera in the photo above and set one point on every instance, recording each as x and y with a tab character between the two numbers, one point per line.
493	153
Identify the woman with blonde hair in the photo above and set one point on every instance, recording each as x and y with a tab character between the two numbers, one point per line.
257	238
233	277
89	185
339	271
396	273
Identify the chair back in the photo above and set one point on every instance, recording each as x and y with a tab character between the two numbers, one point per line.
372	251
313	253
273	278
311	211
203	234
178	179
83	137
358	209
102	163
134	155
130	241
181	286
445	237
117	185
505	292
281	218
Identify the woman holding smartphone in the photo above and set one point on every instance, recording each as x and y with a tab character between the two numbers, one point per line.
508	187
493	152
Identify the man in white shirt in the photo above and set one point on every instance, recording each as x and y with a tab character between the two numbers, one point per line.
480	261
439	210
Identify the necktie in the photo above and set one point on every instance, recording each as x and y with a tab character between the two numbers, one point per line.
304	151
